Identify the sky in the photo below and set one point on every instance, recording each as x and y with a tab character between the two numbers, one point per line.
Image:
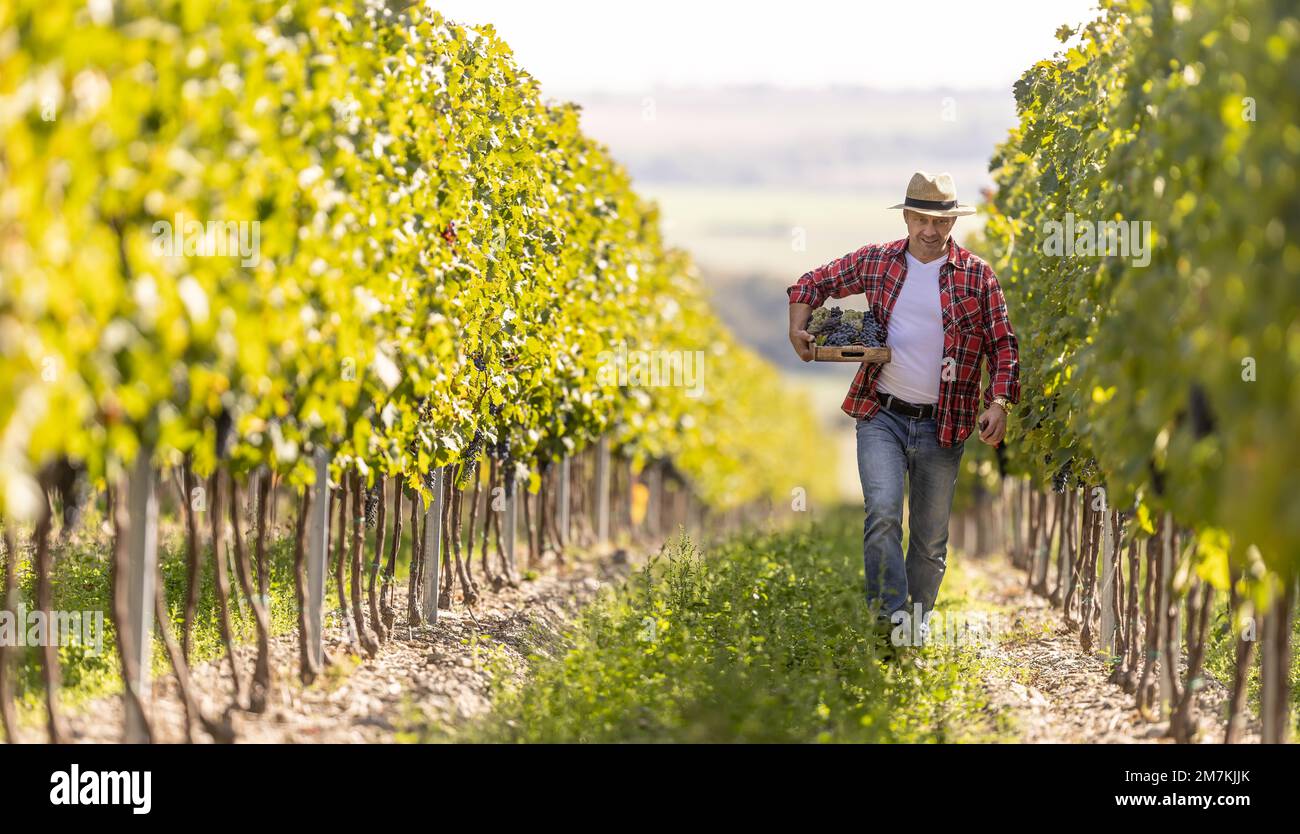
635	45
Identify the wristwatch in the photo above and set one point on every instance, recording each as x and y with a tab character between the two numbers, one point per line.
1002	403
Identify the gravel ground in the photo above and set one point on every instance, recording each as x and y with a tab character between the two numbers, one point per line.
1056	693
428	676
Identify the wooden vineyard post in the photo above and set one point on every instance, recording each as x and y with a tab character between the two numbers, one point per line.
1066	580
1009	516
511	520
1012	515
981	520
1018	518
654	511
1275	663
1043	551
1000	537
602	492
562	500
318	537
1107	583
617	491
1270	732
433	547
629	490
142	572
1176	648
1169	649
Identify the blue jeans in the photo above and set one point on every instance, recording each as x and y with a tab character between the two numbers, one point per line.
889	447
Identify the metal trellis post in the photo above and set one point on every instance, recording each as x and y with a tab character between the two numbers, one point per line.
142	573
433	548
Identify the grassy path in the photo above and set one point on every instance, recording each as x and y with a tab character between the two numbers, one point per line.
764	639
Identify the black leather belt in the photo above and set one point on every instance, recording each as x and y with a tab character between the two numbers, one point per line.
894	404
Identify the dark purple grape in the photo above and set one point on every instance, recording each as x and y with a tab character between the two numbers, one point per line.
474	449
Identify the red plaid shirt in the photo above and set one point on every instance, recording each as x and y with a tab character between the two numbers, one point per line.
975	325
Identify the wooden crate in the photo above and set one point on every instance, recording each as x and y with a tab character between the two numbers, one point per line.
852	353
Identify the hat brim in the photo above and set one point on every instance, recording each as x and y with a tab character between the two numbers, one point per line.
961	210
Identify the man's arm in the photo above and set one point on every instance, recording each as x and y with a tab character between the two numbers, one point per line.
837	279
1001	344
840	277
799	335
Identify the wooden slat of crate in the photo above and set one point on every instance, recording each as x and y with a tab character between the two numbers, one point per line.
851	353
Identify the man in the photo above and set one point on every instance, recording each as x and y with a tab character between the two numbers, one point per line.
943	311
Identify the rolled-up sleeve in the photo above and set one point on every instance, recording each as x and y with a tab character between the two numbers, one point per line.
837	279
1000	344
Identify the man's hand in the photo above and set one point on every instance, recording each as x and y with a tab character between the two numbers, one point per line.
803	342
993	425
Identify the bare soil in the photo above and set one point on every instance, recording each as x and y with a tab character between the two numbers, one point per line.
422	677
1054	692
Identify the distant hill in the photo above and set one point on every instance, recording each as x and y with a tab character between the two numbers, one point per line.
835	139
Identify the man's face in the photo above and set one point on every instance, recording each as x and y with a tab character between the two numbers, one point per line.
926	234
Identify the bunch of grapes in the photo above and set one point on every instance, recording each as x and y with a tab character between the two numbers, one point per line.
465	471
474	449
873	332
824	319
1062	477
838	328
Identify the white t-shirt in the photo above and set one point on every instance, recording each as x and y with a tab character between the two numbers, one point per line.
915	337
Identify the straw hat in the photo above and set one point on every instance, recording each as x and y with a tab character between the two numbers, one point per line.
934	194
